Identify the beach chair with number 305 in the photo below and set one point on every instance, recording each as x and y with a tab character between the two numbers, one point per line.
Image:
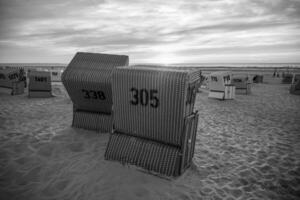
154	122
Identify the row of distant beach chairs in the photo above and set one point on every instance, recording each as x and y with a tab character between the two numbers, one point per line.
15	80
223	85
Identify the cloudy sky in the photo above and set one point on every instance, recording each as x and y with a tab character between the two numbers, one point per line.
151	31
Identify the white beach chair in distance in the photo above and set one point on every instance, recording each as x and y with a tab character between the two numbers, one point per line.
39	84
220	86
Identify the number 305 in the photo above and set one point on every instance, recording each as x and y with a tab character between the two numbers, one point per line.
144	97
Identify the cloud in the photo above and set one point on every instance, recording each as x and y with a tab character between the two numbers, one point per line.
149	30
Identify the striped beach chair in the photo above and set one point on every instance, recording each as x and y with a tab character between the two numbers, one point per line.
154	122
295	86
39	84
242	84
87	80
11	80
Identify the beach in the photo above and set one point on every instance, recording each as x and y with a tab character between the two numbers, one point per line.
246	148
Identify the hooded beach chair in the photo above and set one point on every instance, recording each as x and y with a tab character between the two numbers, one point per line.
220	87
287	78
87	80
242	84
258	78
154	122
12	80
295	86
39	84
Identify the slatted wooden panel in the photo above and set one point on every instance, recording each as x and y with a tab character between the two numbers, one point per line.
155	156
147	154
87	79
160	107
92	121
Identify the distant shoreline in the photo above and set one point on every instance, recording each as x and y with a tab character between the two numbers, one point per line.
203	66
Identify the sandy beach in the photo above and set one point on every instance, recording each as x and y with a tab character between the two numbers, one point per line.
247	148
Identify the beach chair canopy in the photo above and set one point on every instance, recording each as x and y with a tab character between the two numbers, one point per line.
257	78
218	80
87	79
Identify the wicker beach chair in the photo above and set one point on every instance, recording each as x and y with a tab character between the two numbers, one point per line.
295	86
12	80
39	84
242	84
87	80
220	86
154	122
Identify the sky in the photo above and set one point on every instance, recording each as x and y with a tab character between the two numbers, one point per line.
151	31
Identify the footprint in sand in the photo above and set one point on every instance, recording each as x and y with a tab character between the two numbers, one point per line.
62	184
76	147
46	150
34	174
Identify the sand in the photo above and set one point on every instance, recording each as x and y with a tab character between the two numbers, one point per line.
247	148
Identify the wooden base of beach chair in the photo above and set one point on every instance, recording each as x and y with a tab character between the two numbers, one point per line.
39	94
92	121
158	157
228	93
18	88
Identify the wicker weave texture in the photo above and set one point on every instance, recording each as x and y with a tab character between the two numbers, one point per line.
147	154
92	121
155	156
151	103
87	79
